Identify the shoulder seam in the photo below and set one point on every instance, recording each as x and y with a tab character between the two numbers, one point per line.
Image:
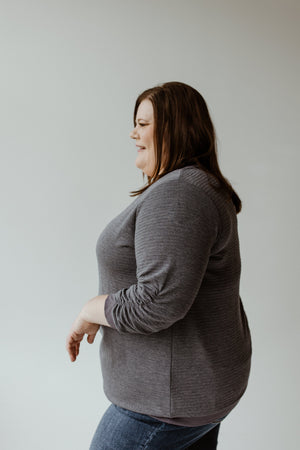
139	205
211	200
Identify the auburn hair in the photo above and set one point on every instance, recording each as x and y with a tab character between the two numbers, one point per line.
183	134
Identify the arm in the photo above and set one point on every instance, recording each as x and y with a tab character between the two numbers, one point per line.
176	226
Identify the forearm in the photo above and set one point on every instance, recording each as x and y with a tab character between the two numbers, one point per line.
93	310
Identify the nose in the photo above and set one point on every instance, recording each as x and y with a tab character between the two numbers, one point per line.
133	134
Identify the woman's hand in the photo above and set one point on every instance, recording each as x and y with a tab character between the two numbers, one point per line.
77	332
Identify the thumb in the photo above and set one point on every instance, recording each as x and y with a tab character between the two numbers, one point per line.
91	338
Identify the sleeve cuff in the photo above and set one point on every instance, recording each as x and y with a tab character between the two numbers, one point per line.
108	306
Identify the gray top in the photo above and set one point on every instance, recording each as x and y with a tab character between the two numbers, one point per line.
180	347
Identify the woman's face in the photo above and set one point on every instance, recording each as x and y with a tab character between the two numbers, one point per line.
143	133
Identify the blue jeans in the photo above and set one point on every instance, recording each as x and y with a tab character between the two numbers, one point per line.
121	429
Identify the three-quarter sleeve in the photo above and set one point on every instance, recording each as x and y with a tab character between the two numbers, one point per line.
176	226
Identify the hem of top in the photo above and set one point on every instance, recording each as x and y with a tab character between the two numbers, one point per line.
195	421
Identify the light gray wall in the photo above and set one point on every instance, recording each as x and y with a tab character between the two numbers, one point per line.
70	74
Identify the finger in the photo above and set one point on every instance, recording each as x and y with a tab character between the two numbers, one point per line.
77	337
90	339
73	339
71	347
73	354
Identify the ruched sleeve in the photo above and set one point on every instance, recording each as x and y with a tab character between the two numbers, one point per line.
176	226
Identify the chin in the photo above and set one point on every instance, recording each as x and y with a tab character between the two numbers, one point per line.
139	165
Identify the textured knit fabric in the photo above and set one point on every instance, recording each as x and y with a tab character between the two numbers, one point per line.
180	345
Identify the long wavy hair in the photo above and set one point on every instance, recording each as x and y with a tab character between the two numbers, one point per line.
183	135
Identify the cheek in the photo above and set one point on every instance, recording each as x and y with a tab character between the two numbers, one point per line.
149	136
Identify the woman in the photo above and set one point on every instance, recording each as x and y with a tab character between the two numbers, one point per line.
176	347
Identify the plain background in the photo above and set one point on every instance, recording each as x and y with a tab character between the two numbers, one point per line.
70	74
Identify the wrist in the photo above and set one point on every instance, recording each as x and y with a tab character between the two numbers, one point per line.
93	310
86	313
